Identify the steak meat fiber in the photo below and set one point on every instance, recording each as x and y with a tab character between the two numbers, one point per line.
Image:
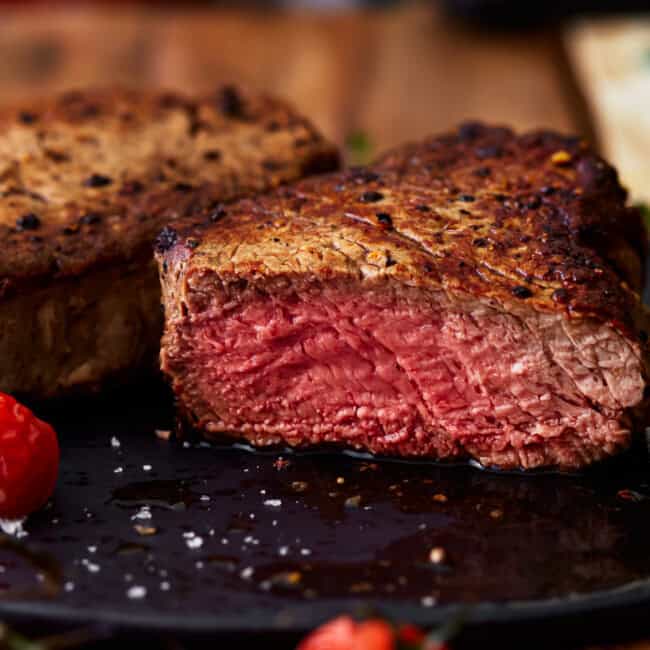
471	296
87	180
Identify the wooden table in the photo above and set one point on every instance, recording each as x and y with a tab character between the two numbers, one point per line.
396	74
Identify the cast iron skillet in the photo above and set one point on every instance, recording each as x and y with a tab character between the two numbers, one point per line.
152	537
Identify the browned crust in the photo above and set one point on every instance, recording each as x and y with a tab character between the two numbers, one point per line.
536	219
88	178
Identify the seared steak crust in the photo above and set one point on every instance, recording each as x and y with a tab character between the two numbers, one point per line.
479	229
87	180
90	177
482	211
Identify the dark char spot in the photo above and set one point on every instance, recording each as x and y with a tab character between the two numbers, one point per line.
27	117
57	156
28	221
521	292
166	239
371	197
480	242
467	198
183	187
212	154
385	218
97	180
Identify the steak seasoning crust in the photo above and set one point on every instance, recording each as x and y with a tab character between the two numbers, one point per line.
471	296
87	180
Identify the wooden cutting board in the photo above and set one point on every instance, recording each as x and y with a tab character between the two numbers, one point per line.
612	63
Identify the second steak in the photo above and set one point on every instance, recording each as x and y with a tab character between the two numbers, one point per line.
88	180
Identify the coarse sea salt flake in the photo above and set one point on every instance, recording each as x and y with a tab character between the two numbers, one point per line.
143	514
13	527
136	591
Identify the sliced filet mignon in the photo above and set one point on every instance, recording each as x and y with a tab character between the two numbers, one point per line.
466	297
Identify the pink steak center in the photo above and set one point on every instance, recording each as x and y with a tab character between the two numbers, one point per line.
407	374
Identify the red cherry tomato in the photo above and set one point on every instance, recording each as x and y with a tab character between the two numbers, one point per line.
344	633
29	460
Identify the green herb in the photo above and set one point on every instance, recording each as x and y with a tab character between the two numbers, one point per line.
359	147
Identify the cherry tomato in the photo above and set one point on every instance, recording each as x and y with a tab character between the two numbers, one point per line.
29	460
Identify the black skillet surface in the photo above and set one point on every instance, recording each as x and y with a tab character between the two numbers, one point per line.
279	542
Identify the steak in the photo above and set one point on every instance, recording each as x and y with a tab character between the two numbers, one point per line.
87	180
470	296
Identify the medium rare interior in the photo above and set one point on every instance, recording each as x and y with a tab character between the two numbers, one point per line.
397	371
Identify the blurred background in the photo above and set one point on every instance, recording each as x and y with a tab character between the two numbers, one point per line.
370	74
